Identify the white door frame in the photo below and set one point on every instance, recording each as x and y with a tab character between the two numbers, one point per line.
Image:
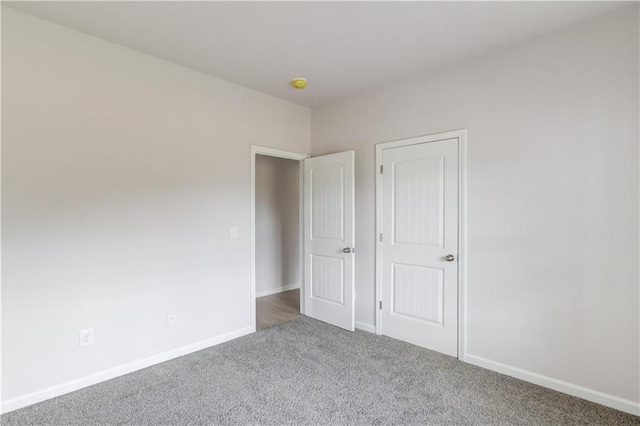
462	225
271	152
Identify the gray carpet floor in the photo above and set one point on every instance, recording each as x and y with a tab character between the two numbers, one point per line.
308	372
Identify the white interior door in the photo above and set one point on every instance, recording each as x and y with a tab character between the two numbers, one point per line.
329	237
419	248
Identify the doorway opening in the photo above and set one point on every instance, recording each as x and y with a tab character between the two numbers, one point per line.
325	223
277	272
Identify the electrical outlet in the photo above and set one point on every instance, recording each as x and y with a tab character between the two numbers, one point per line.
86	337
233	231
172	317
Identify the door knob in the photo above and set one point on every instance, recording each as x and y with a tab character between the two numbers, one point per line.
348	250
449	258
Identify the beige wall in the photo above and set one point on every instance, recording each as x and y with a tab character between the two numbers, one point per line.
552	196
121	175
277	225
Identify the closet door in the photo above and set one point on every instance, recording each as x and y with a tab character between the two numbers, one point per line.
419	244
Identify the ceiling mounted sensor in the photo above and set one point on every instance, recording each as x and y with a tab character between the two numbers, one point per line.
299	83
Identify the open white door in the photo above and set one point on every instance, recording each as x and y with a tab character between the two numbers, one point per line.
328	239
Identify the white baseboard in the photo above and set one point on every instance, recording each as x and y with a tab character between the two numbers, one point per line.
558	385
270	291
365	327
73	385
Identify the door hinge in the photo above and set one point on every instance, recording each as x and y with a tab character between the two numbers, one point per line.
381	305
381	168
381	237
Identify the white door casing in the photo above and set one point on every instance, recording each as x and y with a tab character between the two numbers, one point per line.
419	229
329	285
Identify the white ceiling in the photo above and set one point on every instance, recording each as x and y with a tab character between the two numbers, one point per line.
342	48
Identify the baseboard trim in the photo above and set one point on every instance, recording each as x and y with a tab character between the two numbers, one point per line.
558	385
83	382
270	291
365	327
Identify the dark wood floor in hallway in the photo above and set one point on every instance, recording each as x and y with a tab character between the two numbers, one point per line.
277	308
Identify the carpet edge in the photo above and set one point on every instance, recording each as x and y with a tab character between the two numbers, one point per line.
95	378
578	391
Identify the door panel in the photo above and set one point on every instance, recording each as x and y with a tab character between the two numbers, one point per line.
327	210
327	279
417	283
329	229
420	228
418	192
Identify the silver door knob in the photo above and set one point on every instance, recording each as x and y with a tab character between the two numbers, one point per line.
346	250
449	258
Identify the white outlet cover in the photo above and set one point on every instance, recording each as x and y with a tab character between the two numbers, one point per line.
172	317
87	337
233	231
